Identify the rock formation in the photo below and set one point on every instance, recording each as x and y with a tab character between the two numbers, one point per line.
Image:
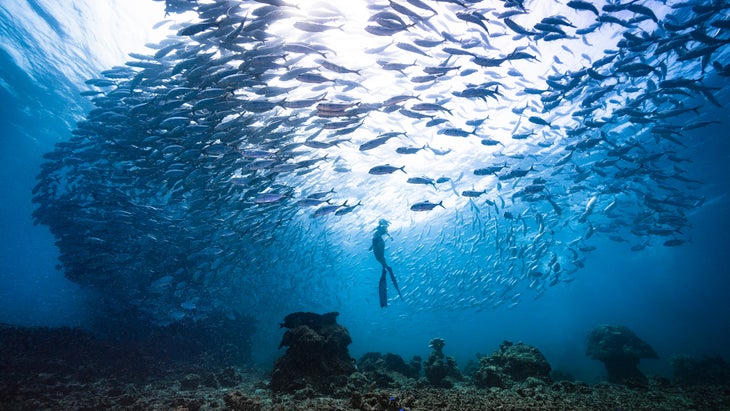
316	358
512	364
620	351
441	371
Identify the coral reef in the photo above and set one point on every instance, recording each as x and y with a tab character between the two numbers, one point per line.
238	401
620	351
381	401
317	359
74	375
512	364
688	371
441	371
388	370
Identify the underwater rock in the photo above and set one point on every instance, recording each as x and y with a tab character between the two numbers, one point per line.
620	351
512	364
396	363
190	382
388	370
415	364
229	377
237	401
358	382
689	371
381	401
312	320
441	371
316	358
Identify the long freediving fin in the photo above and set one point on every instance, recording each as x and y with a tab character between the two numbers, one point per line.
395	283
382	291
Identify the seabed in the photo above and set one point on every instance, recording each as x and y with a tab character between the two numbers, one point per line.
67	369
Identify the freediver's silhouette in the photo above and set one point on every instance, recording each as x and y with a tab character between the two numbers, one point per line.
378	248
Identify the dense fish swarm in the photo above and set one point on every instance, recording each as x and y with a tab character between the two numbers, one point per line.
246	156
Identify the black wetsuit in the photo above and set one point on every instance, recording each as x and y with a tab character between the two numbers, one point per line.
378	248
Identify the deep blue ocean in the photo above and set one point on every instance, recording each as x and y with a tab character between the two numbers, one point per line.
269	258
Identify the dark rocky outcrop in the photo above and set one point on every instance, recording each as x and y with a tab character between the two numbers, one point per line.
512	364
317	358
388	370
441	371
620	351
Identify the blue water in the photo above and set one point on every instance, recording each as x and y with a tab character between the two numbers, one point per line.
675	298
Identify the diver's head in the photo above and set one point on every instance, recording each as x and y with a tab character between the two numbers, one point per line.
382	228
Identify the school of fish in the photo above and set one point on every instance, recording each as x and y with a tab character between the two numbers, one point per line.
244	160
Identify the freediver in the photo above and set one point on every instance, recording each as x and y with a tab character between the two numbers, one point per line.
378	248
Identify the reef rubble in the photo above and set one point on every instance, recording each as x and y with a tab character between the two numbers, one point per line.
389	370
55	392
82	374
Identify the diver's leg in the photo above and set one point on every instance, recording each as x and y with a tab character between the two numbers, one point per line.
382	291
392	278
